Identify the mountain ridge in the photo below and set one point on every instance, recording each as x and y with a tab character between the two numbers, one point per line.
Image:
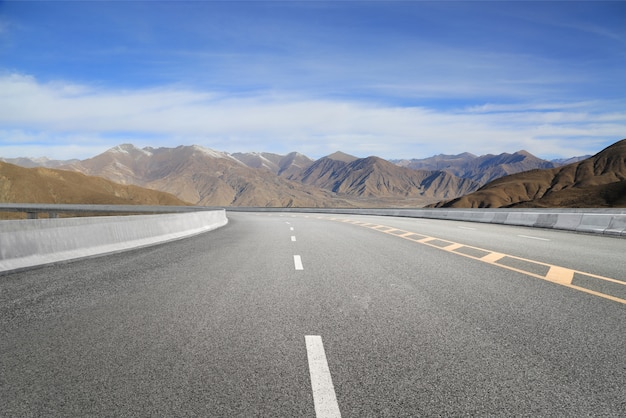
375	177
481	169
202	176
598	181
213	178
207	177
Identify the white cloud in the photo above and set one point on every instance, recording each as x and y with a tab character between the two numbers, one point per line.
80	121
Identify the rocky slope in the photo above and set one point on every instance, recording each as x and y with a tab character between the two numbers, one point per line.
595	182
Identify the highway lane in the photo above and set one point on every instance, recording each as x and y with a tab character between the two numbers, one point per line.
215	325
591	262
579	251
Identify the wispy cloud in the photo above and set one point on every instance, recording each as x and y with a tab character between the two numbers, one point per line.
78	118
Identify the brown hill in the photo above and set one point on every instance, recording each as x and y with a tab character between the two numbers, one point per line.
203	176
594	182
44	185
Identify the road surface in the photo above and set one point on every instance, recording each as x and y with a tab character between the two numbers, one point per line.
295	315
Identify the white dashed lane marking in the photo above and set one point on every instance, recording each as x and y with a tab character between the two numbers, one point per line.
297	261
324	397
530	237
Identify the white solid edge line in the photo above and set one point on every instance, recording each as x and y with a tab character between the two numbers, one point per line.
324	397
297	261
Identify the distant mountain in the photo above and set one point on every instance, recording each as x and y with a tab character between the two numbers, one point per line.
37	162
437	162
565	161
374	177
599	181
481	169
203	176
45	185
282	165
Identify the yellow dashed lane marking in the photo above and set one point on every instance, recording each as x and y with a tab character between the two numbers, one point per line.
555	274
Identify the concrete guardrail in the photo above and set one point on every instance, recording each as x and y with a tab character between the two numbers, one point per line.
33	242
596	221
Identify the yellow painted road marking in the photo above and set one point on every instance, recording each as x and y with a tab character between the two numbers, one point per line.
555	274
453	247
492	258
560	275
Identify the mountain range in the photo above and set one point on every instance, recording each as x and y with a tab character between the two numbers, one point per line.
203	176
211	178
375	178
481	169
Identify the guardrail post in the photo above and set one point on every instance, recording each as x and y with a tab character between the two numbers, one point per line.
31	215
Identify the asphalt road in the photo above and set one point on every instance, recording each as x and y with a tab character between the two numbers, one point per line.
376	316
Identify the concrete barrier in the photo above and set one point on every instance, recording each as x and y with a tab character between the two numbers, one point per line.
33	242
617	226
568	221
593	223
596	221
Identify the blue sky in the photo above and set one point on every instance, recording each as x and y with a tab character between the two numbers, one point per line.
396	79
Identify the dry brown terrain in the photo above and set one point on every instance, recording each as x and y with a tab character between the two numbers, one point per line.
44	185
595	182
